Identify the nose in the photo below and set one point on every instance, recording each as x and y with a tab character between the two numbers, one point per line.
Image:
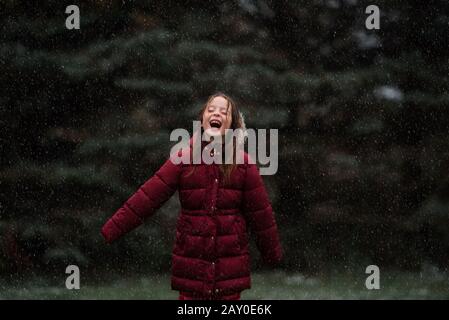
215	113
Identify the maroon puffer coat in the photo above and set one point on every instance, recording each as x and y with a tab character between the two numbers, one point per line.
210	255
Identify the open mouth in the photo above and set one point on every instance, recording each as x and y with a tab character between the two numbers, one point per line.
215	123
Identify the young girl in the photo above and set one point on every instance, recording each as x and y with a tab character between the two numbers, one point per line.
210	257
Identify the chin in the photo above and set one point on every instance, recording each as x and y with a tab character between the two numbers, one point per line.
213	132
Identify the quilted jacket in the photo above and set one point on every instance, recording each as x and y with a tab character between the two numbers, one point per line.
210	254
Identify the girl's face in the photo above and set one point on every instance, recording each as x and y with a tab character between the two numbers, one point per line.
217	117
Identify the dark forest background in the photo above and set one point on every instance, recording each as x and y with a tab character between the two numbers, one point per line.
85	117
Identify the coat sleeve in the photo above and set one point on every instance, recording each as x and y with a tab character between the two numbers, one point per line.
142	204
260	216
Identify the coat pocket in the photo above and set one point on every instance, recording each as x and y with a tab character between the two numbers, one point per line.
228	245
239	228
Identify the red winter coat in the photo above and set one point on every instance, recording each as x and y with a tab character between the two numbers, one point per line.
210	254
